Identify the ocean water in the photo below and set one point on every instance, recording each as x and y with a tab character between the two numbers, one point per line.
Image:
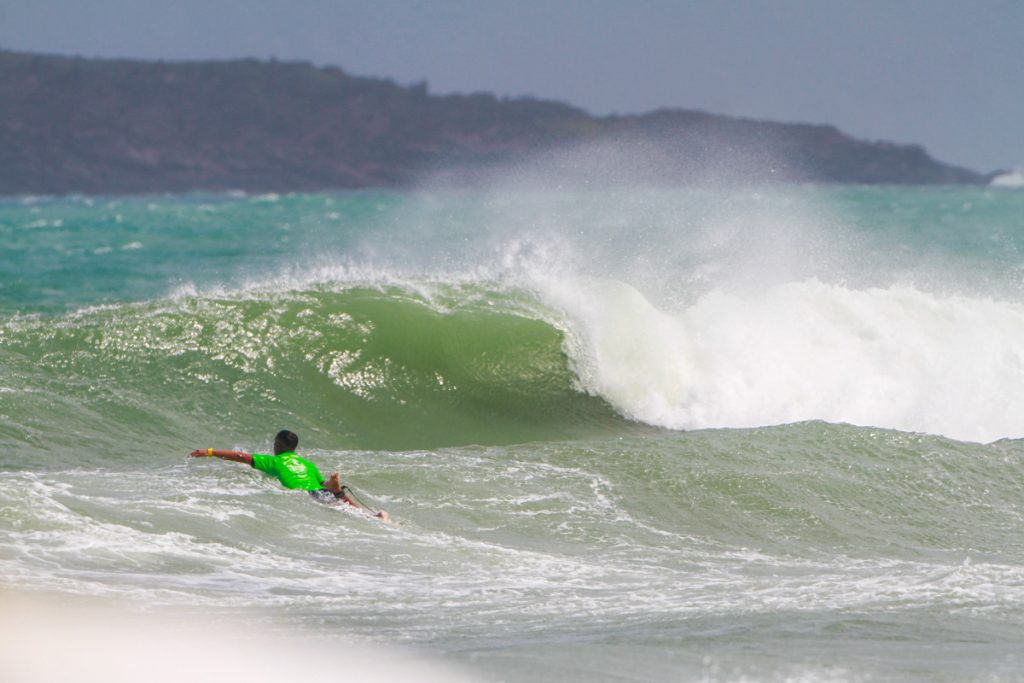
626	434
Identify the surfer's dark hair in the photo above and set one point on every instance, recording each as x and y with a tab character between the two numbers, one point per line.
285	441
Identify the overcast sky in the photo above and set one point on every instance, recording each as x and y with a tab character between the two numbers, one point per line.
947	74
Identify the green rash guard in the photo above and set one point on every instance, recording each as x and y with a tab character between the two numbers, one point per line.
293	471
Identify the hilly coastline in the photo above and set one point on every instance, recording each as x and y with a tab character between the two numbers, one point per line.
98	126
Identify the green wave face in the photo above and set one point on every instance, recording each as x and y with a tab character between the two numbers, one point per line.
366	368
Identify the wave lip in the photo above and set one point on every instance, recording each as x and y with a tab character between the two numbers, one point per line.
893	357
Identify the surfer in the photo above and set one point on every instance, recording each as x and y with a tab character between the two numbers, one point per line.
292	471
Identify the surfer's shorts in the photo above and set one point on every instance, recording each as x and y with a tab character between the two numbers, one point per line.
323	496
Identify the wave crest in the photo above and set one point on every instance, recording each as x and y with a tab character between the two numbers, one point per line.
893	357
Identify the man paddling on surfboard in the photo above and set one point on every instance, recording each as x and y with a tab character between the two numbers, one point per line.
292	471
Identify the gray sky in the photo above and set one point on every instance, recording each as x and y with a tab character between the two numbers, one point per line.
947	74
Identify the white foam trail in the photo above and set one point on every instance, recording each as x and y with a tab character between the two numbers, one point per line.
890	357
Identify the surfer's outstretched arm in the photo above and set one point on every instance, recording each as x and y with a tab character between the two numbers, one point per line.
234	456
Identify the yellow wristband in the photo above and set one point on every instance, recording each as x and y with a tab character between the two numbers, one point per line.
209	452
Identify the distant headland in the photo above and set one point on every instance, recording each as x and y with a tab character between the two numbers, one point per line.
101	126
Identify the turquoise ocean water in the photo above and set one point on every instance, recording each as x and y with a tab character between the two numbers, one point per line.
626	434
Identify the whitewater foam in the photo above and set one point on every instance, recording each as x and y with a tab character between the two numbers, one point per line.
1009	180
893	357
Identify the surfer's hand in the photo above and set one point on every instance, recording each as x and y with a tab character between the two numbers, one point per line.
384	516
198	453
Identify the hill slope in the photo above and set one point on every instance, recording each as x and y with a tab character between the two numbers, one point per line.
121	126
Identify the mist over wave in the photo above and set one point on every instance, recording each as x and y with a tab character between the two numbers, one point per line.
703	308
